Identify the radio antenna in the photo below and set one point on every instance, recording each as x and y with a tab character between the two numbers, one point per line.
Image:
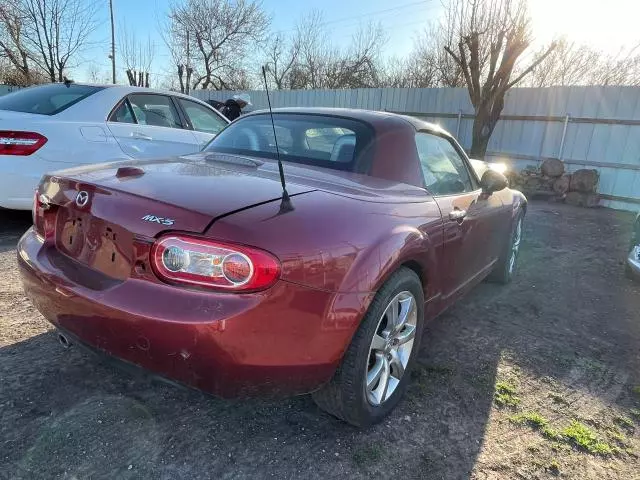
285	205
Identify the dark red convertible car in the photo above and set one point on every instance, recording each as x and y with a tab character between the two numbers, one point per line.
196	269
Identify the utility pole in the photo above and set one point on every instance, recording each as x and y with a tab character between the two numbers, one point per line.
113	45
188	89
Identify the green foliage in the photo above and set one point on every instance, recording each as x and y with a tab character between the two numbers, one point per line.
505	395
531	418
583	437
537	421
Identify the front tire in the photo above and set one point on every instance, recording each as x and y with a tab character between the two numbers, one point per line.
375	369
505	269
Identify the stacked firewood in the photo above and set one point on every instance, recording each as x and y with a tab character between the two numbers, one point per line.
550	181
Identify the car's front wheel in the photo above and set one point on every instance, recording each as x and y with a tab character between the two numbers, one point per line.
374	372
505	268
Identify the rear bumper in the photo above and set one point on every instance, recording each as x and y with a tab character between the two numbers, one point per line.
19	178
286	340
633	261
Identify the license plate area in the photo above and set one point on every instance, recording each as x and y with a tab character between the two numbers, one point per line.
96	243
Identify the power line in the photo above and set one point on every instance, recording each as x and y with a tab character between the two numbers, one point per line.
387	26
359	17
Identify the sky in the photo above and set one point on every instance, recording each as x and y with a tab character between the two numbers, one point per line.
585	21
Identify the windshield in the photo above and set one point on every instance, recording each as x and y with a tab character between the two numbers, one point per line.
321	140
46	99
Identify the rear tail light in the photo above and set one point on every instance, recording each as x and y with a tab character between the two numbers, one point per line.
20	143
44	216
208	263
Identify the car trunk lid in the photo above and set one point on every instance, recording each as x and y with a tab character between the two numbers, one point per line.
103	216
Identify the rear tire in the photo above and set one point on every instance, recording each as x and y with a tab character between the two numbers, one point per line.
385	346
505	269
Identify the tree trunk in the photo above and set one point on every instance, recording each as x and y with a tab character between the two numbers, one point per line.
480	135
479	147
487	116
180	74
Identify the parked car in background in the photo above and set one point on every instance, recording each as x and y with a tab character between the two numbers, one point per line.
61	125
633	261
197	269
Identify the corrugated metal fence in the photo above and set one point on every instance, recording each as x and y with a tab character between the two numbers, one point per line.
587	127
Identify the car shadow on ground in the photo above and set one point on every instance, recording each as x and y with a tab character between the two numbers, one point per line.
570	318
70	413
12	225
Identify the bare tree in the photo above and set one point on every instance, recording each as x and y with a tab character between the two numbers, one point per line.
410	72
486	38
12	44
282	56
316	51
176	38
359	65
56	31
575	64
567	64
620	69
313	61
98	75
220	33
429	55
137	56
427	65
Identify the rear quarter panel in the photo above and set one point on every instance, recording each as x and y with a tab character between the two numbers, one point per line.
72	143
341	244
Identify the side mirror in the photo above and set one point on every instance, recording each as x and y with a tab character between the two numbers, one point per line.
493	181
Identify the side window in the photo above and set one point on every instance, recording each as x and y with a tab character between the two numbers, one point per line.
202	119
154	110
445	172
123	114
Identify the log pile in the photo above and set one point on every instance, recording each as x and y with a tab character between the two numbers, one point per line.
550	181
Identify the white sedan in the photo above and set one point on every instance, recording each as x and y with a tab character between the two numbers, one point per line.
56	126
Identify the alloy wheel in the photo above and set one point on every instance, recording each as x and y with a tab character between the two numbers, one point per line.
391	348
515	245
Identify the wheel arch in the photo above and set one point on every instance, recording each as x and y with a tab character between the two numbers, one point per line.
403	246
420	270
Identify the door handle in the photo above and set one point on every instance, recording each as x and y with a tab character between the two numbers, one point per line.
457	215
141	136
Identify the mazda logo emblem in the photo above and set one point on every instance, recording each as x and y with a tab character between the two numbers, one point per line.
82	198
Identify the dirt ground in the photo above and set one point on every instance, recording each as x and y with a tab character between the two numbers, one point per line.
502	377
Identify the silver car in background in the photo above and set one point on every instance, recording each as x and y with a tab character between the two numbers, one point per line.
633	261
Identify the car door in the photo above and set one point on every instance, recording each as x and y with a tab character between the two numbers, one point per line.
147	125
470	217
205	121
